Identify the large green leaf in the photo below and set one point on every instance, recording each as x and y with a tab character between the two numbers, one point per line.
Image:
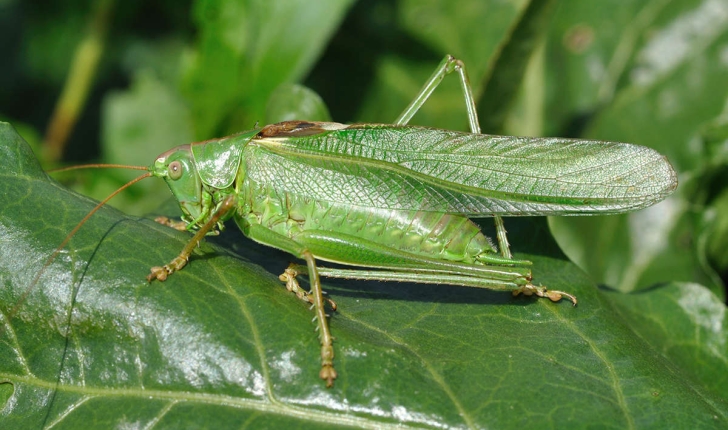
223	344
686	323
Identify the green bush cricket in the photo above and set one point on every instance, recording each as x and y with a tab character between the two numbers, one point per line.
393	201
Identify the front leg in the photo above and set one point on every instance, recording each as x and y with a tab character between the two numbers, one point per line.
161	273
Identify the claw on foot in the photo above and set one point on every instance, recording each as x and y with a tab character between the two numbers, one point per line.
158	273
161	273
292	285
553	295
327	372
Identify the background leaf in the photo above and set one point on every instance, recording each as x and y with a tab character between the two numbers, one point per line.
222	342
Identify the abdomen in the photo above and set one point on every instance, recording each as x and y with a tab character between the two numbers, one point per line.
430	234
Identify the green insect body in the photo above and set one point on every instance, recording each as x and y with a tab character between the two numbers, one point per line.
353	232
393	201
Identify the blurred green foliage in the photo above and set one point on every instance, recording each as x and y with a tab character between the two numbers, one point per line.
650	72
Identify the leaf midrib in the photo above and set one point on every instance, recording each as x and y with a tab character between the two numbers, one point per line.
266	406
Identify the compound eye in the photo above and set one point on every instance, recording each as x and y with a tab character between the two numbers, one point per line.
175	170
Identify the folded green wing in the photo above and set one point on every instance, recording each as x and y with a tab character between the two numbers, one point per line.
383	166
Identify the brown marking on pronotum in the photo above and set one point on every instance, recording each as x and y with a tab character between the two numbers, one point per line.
297	128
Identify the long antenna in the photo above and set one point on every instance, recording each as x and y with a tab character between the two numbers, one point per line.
63	244
98	166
